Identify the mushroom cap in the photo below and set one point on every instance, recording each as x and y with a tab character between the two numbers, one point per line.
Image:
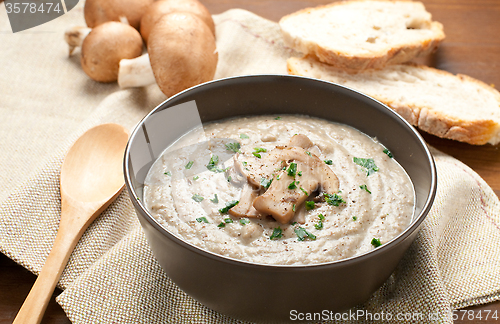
100	11
163	7
182	52
105	46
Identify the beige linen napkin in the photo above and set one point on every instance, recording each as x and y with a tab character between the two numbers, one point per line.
112	276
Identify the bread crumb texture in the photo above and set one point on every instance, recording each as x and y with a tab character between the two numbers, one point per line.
363	34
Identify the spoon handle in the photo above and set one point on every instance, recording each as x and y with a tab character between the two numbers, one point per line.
39	296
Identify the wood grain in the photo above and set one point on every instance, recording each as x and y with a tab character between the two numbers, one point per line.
472	47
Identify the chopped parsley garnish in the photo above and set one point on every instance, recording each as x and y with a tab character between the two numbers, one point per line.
215	200
257	155
244	221
304	191
277	118
334	199
244	136
354	218
369	164
293	207
212	165
229	205
365	188
202	220
302	234
277	233
168	173
195	178
197	198
264	182
299	173
259	149
228	220
376	242
389	154
229	179
309	153
278	177
222	224
329	162
292	185
292	169
320	223
235	147
310	205
189	164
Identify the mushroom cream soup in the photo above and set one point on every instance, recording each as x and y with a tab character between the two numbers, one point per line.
280	190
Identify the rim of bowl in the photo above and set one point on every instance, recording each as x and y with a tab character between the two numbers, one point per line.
372	253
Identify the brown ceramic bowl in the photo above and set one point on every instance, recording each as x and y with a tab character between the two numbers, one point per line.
259	292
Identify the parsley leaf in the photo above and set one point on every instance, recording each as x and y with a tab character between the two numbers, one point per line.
354	218
304	191
309	153
168	173
256	155
228	220
222	224
202	220
244	136
320	223
235	147
389	154
277	118
292	185
264	182
244	221
365	188
212	165
376	242
292	169
302	234
369	164
310	205
229	205
277	233
197	198
215	200
334	199
189	164
329	162
259	149
300	173
195	178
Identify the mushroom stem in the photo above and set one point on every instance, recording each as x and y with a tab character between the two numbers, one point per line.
135	72
74	36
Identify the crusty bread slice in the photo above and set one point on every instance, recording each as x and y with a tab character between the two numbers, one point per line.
362	34
450	106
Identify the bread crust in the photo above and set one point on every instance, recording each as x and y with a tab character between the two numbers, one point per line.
476	131
372	60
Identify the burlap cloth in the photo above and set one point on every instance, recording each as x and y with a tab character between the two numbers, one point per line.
46	102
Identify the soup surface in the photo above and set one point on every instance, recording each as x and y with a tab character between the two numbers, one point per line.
280	190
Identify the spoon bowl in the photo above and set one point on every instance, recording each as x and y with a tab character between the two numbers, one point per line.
91	178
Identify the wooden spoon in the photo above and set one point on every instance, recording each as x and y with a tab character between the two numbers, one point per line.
91	178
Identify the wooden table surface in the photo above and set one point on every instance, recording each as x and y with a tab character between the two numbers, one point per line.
472	47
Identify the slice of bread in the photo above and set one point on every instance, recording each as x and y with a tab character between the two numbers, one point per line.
363	34
450	106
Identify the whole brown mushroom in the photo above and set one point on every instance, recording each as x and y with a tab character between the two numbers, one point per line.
182	52
100	11
163	7
105	46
